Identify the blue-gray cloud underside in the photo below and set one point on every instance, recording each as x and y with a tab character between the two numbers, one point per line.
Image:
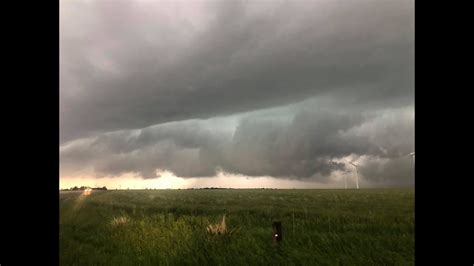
300	145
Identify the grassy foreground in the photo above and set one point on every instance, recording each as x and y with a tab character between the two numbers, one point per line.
168	227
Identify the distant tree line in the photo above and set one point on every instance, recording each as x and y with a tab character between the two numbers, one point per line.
82	188
225	188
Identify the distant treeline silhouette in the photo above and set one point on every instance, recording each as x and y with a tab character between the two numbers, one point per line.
82	188
226	188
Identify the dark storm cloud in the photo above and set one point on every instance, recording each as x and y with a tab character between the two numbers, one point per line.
300	148
173	146
133	64
305	146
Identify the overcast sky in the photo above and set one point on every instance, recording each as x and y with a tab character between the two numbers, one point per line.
288	91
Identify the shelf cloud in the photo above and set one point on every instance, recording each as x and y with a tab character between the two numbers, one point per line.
288	89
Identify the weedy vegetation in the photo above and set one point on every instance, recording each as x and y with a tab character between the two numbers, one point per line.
234	227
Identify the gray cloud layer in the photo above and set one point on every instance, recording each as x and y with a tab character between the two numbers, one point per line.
202	86
128	65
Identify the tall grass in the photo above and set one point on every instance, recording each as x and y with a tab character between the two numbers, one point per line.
172	227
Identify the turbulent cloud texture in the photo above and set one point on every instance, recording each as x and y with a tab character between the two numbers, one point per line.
197	87
306	144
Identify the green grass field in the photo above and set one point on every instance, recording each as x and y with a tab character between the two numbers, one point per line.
168	227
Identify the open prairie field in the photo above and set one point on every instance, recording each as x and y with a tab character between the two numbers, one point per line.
169	227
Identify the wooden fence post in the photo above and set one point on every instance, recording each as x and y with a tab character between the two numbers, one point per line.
277	232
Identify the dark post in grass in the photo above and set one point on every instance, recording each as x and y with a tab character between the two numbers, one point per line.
277	232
